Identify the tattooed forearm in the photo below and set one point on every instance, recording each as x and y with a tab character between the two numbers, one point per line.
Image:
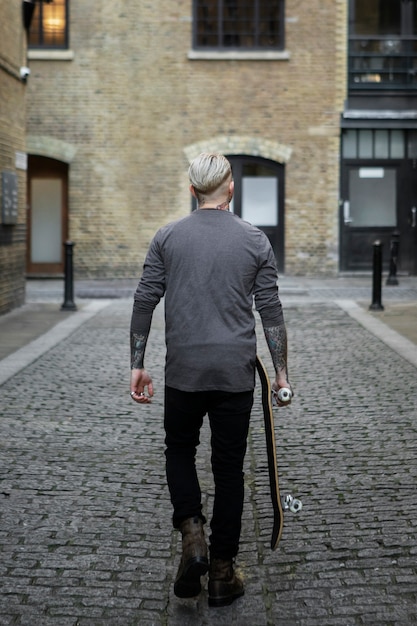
276	337
137	350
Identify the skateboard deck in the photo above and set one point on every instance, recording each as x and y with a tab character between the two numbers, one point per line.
271	454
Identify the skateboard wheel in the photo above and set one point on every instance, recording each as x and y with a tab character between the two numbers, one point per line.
296	506
284	395
291	504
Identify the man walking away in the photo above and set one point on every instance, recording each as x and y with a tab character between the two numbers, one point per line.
210	266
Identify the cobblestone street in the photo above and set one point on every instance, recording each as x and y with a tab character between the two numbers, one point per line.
85	518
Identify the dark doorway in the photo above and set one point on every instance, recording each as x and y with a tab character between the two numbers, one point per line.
378	197
47	216
259	198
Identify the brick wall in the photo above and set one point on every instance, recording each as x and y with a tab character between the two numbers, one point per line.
12	140
132	105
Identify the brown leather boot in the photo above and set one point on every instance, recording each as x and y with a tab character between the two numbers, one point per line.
194	561
225	586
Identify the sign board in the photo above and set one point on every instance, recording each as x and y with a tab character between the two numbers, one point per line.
21	160
9	201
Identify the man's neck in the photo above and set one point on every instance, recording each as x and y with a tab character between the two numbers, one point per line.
224	206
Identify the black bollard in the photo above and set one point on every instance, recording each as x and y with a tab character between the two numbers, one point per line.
395	243
69	304
376	304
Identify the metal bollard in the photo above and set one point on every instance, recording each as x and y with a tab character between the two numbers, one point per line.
395	243
69	304
376	304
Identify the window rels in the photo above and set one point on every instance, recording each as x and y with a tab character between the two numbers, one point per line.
238	24
49	27
374	144
382	45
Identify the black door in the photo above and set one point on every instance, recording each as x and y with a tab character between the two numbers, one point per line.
407	219
259	198
378	198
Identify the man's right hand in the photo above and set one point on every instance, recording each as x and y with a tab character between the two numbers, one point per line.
139	381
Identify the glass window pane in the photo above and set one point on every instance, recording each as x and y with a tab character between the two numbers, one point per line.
233	26
397	144
414	20
377	17
239	23
365	144
206	23
269	23
49	25
256	169
412	144
54	23
381	144
260	200
46	235
349	144
34	36
372	193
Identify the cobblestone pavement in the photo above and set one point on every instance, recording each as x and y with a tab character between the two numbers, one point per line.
85	516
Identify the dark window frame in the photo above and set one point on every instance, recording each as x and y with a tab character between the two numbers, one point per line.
236	32
37	30
383	61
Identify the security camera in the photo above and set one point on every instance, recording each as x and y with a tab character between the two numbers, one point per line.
24	73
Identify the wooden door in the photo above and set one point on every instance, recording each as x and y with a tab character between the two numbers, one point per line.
47	224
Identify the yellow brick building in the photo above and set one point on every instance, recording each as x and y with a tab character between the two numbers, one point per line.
12	156
313	101
130	100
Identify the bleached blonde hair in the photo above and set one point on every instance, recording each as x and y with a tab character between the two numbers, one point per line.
209	173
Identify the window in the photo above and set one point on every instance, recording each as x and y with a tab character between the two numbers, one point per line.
49	27
383	45
238	24
373	193
374	144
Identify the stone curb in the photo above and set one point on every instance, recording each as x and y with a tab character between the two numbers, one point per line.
26	355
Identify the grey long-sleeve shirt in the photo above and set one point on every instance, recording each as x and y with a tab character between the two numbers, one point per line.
209	266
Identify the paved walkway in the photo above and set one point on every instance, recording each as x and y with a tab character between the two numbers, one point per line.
85	515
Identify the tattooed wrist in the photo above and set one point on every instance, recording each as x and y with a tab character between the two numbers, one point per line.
137	350
276	338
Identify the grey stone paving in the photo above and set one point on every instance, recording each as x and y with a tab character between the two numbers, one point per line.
85	516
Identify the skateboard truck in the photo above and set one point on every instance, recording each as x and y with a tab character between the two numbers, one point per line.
289	503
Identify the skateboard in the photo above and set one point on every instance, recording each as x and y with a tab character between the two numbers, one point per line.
288	502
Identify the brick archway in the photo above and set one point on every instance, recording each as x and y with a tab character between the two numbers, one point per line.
51	148
240	144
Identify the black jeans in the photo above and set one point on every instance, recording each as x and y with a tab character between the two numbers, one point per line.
229	415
